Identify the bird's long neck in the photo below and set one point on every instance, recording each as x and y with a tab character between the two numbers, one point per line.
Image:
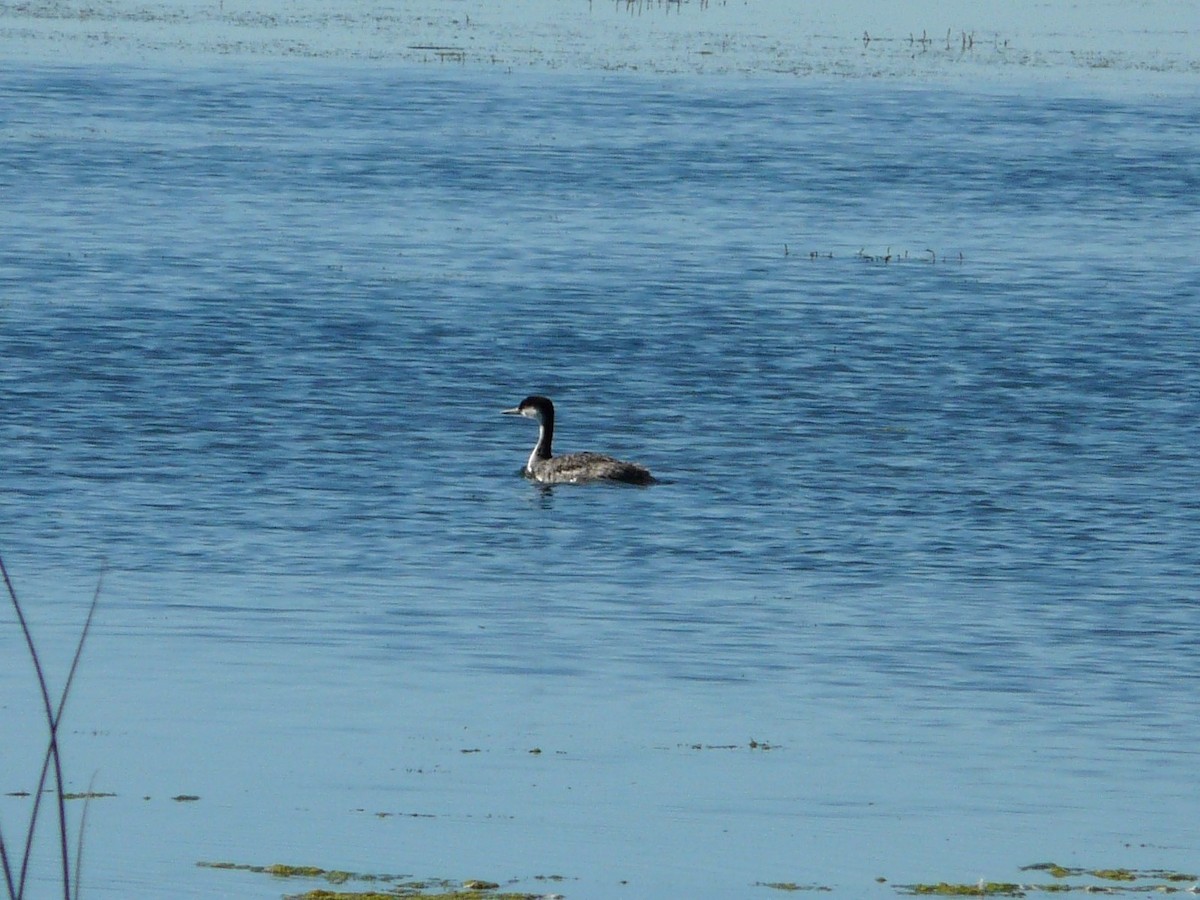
545	436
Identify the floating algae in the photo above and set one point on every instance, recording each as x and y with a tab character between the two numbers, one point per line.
396	886
465	894
1117	874
1094	881
979	889
792	886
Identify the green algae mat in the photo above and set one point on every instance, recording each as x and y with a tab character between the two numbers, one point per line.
1067	879
384	886
1062	879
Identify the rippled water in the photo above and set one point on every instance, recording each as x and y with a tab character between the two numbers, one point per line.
918	368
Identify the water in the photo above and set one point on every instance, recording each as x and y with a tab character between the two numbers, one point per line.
917	366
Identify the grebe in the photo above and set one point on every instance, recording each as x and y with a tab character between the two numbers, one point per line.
572	467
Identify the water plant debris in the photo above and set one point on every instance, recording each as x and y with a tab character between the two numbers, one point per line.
1100	880
389	886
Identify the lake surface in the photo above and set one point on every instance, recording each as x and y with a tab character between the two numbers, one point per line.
915	600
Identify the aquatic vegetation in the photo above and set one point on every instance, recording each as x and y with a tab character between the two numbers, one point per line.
1095	881
1115	874
466	894
926	255
752	745
397	886
980	889
791	886
280	870
1054	870
333	877
16	871
1121	874
1164	875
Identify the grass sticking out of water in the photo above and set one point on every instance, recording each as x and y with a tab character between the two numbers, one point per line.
16	871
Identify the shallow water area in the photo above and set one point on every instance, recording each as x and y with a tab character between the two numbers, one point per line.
914	360
1100	48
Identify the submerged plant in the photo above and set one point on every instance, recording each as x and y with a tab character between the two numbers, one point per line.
16	871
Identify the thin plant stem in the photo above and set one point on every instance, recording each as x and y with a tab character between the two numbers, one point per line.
87	804
16	889
8	878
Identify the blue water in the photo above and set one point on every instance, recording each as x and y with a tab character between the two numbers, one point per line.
918	368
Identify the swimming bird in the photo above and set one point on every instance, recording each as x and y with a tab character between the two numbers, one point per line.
570	468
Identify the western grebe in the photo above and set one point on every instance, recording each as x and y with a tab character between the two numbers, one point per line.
572	467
